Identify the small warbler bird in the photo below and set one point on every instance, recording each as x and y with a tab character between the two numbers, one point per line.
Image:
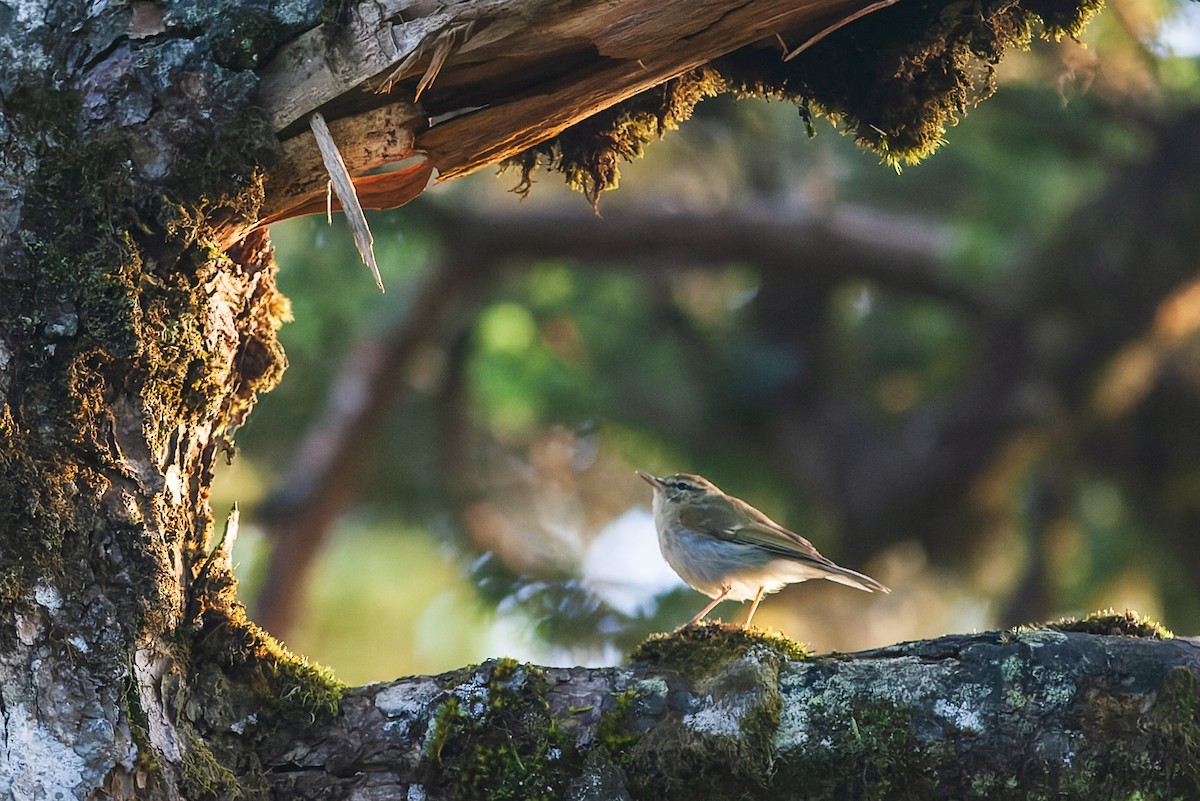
725	548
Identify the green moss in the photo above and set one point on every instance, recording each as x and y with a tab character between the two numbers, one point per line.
1135	752
230	654
697	651
1175	721
728	746
204	777
249	699
111	307
1111	622
448	717
146	760
493	736
614	734
873	754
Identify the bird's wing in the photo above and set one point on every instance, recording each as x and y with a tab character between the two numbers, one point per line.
734	520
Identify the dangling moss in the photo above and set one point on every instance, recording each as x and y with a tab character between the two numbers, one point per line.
589	153
895	80
898	78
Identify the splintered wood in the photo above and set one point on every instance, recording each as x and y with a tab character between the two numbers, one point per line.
343	186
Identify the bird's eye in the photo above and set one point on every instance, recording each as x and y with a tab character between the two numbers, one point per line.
681	486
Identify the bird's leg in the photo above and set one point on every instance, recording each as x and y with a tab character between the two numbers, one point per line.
754	606
708	608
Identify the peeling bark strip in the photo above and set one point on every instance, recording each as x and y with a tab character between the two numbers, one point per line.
339	179
719	713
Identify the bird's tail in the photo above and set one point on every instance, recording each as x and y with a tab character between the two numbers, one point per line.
852	578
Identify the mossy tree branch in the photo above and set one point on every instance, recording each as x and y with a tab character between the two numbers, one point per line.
718	713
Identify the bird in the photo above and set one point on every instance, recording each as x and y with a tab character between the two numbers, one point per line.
725	548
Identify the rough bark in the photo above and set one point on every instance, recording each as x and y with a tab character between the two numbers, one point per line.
137	324
718	713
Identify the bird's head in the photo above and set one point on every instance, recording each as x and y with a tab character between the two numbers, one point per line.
679	487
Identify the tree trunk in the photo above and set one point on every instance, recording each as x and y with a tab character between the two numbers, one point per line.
141	144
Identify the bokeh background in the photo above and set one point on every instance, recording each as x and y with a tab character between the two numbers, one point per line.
977	380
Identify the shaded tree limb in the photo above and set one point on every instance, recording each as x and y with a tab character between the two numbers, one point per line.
725	713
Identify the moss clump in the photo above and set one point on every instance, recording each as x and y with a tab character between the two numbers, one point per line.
697	651
727	746
249	698
1111	622
284	691
899	77
1174	722
589	153
614	734
203	776
493	736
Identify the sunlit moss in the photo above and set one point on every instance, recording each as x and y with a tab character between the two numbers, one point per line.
589	153
1112	622
698	650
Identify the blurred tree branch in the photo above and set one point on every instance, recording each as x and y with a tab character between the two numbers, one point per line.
329	463
886	481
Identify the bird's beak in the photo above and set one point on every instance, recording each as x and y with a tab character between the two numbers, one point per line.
657	483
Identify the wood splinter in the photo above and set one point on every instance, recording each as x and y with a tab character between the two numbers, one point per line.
339	177
445	43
